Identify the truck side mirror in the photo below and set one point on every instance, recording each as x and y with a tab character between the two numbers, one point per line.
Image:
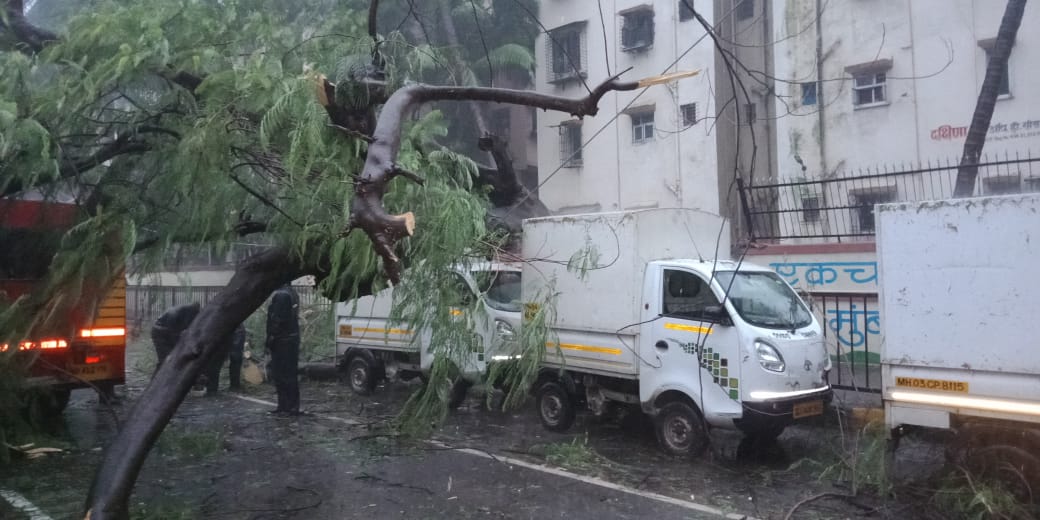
717	313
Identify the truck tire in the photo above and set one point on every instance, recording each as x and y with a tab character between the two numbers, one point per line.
555	407
361	375
680	430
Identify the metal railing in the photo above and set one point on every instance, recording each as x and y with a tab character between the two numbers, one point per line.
852	328
842	207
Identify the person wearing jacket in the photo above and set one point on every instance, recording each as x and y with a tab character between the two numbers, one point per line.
283	342
168	328
232	351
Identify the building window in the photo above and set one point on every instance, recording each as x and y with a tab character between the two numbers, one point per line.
570	144
642	127
868	88
637	29
1005	82
689	114
685	10
566	51
750	113
745	9
810	208
864	210
808	94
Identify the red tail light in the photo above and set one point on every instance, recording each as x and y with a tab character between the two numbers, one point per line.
90	360
47	344
102	333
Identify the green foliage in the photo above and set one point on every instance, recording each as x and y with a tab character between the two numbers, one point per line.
250	140
576	454
961	496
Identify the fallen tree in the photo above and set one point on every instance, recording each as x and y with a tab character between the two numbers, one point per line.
160	145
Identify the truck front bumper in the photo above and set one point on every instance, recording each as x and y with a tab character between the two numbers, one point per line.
783	408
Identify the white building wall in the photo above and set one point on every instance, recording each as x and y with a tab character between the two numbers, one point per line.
678	168
937	70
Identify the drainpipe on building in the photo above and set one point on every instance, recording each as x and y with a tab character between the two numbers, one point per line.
821	103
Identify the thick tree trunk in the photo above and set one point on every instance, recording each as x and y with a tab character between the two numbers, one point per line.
250	286
998	60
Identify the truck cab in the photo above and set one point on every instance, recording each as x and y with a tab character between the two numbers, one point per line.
736	338
371	347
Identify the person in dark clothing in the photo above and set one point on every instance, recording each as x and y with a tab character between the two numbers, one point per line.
283	341
168	328
231	351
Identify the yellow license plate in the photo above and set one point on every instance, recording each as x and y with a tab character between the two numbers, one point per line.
807	409
932	384
93	371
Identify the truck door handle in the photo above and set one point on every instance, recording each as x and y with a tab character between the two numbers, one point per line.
661	345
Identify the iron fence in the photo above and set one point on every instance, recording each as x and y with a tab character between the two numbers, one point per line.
852	328
842	207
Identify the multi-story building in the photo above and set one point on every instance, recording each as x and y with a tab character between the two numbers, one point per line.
655	147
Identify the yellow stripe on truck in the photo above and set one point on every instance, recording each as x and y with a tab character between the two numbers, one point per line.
381	331
688	328
586	348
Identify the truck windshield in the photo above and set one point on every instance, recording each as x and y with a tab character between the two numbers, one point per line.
764	300
503	291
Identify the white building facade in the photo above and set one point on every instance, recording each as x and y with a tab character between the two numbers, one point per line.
660	150
892	84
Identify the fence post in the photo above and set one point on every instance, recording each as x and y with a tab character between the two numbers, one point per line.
746	209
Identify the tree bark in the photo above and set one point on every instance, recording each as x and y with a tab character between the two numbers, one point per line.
997	64
247	290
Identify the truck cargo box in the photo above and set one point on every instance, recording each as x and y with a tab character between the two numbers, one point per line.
593	303
957	289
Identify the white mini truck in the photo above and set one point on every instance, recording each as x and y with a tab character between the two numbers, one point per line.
958	291
370	347
648	323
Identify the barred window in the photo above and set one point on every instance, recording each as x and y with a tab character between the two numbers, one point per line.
689	114
570	144
637	29
567	52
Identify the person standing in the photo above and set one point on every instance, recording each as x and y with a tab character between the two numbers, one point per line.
283	342
168	328
231	351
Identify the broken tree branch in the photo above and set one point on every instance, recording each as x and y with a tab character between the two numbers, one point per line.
367	211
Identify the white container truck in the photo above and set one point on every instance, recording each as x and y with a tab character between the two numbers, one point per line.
649	325
957	291
371	347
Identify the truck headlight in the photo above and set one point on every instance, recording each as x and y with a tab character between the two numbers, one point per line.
769	357
504	330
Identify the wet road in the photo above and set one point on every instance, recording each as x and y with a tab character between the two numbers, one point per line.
225	457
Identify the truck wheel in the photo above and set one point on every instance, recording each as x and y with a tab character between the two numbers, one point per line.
680	430
361	375
555	407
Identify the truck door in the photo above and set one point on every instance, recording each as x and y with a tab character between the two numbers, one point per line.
468	337
694	348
